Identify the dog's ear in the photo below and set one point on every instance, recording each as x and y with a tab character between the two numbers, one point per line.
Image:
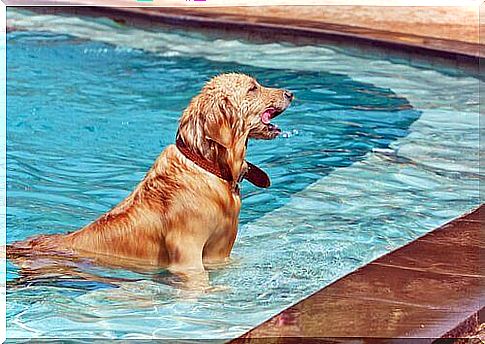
236	155
222	125
212	126
225	127
208	118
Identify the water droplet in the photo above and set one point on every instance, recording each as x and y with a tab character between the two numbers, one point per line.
288	134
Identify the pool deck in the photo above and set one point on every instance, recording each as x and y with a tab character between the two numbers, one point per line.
431	288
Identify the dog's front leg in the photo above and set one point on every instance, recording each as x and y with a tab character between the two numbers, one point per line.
185	260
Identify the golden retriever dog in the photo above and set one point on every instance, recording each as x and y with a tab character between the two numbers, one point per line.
184	213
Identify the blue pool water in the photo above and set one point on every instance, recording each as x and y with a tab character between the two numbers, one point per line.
374	154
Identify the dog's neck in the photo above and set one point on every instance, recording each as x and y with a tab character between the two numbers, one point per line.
208	162
224	165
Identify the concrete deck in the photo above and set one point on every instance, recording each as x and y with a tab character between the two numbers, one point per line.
428	289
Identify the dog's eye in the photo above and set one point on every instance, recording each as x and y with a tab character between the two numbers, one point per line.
253	88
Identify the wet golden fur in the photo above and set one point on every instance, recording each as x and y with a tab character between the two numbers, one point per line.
179	215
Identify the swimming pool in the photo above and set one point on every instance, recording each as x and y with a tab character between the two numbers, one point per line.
374	154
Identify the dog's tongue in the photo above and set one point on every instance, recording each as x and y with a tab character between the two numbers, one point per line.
266	117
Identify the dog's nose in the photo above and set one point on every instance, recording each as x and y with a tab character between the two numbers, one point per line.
288	95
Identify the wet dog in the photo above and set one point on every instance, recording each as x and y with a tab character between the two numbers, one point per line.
185	212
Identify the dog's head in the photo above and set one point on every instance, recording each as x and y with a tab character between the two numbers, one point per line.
250	104
233	104
230	109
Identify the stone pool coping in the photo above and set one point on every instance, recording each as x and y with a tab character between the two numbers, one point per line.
430	288
299	26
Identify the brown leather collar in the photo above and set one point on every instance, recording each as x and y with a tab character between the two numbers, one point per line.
254	174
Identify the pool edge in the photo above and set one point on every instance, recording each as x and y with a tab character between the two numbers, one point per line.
383	308
411	48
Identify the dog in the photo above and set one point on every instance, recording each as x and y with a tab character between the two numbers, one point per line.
185	211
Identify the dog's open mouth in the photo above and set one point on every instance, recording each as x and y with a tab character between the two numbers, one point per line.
268	115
